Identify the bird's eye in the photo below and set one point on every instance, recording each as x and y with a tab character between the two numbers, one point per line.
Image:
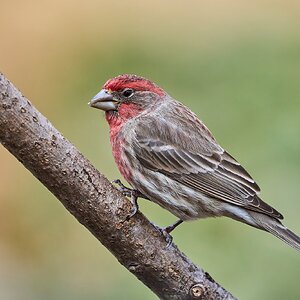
127	93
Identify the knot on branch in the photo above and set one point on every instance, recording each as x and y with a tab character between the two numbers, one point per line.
197	291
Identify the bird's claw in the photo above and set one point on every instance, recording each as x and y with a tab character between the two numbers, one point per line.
165	231
133	194
122	188
165	234
135	206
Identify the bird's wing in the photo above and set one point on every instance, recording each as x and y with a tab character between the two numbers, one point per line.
192	157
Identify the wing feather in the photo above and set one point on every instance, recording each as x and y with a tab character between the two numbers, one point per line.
209	169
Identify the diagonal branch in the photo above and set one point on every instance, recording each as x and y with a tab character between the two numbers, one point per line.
96	204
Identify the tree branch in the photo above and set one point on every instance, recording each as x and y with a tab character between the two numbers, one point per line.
96	204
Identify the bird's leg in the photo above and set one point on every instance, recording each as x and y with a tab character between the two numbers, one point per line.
122	188
170	228
133	194
166	231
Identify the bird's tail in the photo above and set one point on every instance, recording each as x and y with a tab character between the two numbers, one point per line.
276	228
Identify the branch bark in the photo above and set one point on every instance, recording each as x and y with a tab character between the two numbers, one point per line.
96	204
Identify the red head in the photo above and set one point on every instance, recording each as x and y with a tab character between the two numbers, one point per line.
136	83
126	96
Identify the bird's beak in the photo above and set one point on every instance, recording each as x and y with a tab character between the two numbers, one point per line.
104	100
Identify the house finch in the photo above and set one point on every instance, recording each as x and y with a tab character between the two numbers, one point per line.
170	157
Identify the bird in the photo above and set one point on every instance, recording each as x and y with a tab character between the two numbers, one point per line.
167	155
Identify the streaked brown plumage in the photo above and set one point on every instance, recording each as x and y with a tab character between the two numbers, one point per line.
166	153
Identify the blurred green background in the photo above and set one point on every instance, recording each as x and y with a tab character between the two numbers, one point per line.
235	63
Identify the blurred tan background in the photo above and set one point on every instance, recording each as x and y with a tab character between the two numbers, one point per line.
235	63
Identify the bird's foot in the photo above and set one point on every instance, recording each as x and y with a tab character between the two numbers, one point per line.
171	227
165	231
134	203
122	188
166	235
132	194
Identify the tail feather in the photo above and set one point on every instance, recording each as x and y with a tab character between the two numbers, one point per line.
276	228
285	235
